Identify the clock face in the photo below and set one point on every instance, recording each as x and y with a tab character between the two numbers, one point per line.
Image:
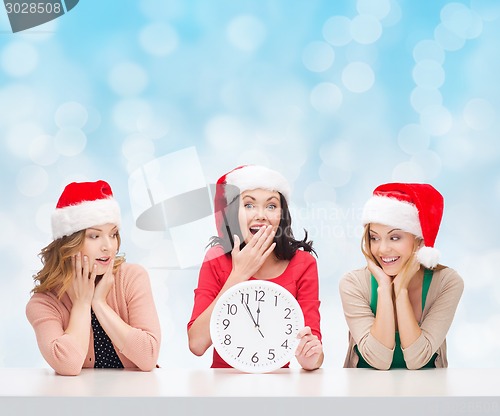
254	326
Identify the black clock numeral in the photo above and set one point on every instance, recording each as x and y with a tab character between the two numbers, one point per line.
226	323
241	350
245	298
255	358
271	355
285	344
288	312
259	295
289	330
232	309
227	339
275	300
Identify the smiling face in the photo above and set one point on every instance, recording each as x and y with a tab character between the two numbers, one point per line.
100	246
258	208
391	247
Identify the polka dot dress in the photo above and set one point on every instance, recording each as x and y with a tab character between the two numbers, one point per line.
105	354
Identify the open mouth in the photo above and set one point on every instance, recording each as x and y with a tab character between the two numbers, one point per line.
103	260
255	229
389	260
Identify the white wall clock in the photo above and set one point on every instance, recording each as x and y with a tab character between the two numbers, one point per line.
254	326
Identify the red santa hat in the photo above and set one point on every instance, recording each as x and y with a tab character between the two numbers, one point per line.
244	178
83	205
413	207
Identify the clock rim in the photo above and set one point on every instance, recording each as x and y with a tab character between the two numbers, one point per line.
230	292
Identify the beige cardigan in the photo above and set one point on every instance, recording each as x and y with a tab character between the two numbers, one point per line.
130	297
442	299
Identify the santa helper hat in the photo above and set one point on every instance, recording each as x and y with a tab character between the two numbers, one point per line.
83	205
413	207
245	178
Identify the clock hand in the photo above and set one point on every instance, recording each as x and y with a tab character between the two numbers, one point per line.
258	324
258	313
251	316
250	313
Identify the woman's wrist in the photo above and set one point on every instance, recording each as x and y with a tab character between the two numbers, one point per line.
385	290
82	304
98	304
401	293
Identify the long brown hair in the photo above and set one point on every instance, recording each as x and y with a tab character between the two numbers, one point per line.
57	271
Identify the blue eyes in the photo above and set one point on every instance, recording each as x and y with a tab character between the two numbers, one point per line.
270	206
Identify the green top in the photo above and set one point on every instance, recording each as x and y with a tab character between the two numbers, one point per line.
398	360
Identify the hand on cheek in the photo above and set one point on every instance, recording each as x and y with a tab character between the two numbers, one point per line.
103	287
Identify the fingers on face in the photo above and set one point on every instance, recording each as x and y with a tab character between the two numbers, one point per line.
77	261
109	270
82	266
264	238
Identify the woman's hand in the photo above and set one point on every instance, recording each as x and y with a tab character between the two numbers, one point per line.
309	352
248	261
81	289
405	276
381	277
104	285
81	292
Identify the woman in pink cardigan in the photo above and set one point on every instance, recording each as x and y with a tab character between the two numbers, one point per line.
89	308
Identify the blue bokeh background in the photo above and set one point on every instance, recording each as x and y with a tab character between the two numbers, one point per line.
338	96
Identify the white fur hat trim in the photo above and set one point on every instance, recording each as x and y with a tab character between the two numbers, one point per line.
258	177
392	212
73	218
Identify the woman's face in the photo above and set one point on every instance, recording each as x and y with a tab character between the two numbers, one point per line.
391	247
258	208
100	246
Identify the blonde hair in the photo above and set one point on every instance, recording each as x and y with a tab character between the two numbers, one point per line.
57	272
366	244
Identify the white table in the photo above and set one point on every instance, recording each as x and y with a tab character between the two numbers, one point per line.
168	391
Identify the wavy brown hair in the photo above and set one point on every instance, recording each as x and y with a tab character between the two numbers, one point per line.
57	271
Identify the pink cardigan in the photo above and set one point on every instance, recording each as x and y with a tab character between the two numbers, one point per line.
130	297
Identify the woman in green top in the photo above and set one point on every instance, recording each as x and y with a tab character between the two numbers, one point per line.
400	307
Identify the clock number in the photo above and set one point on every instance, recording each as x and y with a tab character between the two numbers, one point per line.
241	350
289	330
288	312
255	359
227	339
245	298
259	295
226	323
232	309
285	344
271	355
275	300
